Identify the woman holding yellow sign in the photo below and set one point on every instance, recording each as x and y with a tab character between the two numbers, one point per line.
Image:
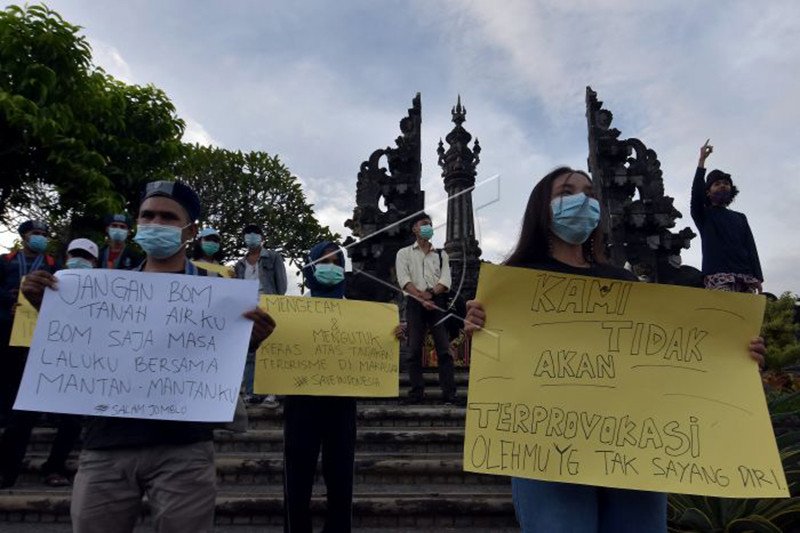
314	424
560	233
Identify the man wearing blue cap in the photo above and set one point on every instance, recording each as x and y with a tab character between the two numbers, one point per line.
124	458
13	267
116	254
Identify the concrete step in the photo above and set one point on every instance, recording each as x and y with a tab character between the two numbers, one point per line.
38	527
248	469
388	414
394	507
369	439
431	377
433	396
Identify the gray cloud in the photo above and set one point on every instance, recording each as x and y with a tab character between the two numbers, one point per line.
323	85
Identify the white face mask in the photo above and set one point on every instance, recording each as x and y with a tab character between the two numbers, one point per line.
160	240
117	234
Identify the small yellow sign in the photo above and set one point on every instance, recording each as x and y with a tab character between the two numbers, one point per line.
222	270
25	316
619	384
329	347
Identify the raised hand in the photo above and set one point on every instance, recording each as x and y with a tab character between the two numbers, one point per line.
705	151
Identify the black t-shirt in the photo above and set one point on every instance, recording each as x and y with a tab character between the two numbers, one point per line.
596	270
104	432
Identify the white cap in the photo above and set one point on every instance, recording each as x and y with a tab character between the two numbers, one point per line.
84	244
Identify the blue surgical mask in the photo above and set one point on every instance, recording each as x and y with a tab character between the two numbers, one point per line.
38	243
328	273
574	217
79	262
209	247
159	241
426	232
252	240
117	234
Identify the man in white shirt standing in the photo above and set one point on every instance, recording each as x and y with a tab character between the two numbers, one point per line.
423	272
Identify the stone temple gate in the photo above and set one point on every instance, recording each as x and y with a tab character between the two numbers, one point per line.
638	216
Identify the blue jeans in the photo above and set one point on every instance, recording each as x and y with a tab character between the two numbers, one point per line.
550	507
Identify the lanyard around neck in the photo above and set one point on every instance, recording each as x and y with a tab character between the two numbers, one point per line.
22	262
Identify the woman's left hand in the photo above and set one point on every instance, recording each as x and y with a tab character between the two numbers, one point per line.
758	350
263	326
475	319
400	331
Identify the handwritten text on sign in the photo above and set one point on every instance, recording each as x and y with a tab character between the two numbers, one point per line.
619	384
139	345
329	347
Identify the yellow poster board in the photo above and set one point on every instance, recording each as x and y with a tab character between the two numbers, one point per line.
329	347
25	317
619	384
222	270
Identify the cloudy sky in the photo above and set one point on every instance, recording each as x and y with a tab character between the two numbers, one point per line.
323	84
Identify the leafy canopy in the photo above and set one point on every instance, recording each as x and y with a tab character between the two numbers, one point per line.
239	188
68	130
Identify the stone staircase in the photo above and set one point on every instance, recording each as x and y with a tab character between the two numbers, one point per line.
408	475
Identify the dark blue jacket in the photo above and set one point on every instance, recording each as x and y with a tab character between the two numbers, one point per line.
10	270
318	290
127	260
728	244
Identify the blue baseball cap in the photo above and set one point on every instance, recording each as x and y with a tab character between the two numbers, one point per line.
205	232
30	225
175	190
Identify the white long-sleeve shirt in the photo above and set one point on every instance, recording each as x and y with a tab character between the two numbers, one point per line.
421	269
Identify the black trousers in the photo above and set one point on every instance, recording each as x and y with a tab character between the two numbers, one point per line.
19	424
15	440
419	320
311	423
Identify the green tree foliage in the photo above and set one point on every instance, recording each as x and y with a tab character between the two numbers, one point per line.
239	188
74	142
781	333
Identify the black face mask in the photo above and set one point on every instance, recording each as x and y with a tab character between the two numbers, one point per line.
721	197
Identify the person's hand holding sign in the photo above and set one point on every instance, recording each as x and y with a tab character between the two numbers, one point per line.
475	319
263	326
34	284
758	350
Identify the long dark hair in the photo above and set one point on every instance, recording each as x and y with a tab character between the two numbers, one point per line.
535	235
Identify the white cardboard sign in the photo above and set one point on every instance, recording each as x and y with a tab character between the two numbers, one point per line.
139	345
